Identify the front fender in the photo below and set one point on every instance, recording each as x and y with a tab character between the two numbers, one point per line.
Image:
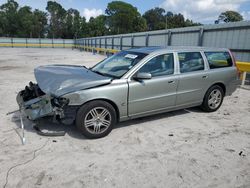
117	92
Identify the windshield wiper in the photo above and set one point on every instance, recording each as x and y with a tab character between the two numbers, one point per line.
98	72
104	74
84	67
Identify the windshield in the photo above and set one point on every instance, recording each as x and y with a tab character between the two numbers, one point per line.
117	65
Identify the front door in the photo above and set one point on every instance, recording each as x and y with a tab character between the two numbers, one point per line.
157	93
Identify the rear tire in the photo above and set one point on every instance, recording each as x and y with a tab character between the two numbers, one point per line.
213	99
96	119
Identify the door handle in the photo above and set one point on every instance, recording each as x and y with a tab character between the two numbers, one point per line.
205	76
171	81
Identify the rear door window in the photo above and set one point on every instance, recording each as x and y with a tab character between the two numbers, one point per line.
190	61
219	59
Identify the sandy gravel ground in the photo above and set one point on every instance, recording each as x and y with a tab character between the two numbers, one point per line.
185	148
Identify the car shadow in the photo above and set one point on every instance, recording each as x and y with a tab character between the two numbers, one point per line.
150	118
47	124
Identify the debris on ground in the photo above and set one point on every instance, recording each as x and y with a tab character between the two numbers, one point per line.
241	154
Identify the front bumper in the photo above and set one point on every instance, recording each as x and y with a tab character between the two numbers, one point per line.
37	107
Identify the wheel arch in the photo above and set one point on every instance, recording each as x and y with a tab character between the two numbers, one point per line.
214	84
114	105
222	85
204	104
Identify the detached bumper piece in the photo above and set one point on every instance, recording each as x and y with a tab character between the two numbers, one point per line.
48	133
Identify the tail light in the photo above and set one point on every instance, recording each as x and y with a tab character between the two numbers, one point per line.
234	63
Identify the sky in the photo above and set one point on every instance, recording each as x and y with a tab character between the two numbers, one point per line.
203	11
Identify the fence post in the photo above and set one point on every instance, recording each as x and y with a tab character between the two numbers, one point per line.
200	40
74	45
112	42
146	39
100	43
169	38
132	41
88	46
93	50
26	40
165	35
63	43
11	42
52	42
40	42
105	45
243	78
121	43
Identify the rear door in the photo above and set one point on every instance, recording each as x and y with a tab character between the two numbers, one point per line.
157	93
194	78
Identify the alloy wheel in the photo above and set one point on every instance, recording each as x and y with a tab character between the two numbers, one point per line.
97	120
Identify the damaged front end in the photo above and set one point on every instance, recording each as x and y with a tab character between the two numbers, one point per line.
53	82
37	104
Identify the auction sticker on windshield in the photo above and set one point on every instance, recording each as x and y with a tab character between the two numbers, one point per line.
131	56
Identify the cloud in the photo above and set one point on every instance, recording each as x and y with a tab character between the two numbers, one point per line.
204	11
88	13
246	15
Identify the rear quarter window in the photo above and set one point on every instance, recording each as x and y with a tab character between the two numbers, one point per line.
219	59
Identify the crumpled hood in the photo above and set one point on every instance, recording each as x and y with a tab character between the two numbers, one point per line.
58	80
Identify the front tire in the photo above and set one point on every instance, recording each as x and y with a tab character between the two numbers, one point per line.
213	99
96	119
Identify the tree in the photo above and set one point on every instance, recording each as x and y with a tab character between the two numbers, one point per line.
190	23
139	24
9	17
122	17
39	23
72	24
155	19
178	20
175	20
57	19
76	23
1	24
25	22
84	28
97	26
229	16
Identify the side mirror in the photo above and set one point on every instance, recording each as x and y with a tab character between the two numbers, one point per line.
142	76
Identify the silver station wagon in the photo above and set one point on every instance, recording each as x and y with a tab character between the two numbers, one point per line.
130	84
